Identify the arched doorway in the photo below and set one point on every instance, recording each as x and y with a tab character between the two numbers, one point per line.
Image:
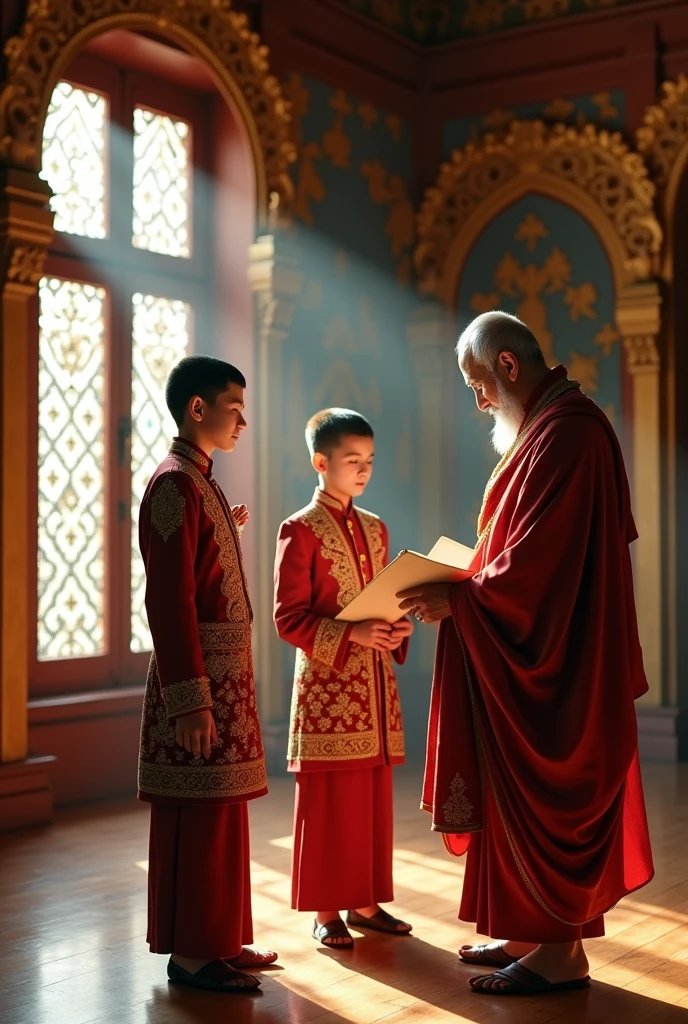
53	38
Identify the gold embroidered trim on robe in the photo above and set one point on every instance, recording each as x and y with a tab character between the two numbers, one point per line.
457	807
335	715
167	508
202	781
187	452
234	585
187	696
328	639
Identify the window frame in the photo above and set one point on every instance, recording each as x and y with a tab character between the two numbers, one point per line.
115	264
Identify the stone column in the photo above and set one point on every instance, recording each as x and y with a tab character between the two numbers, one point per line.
25	234
638	321
429	336
275	281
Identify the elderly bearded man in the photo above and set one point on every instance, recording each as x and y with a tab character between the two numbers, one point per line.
532	744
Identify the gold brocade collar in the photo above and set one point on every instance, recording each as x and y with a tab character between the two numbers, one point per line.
562	386
192	453
323	498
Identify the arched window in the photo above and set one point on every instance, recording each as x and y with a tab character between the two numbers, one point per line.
127	292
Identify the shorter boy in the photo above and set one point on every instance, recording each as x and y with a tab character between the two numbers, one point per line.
346	728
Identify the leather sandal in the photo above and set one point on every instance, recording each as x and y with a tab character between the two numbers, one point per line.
216	976
380	922
333	930
523	982
490	954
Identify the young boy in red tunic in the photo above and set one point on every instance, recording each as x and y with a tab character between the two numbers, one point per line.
346	729
201	755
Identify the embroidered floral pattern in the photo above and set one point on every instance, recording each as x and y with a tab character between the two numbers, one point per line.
203	781
187	696
167	508
457	807
335	715
328	640
234	585
236	767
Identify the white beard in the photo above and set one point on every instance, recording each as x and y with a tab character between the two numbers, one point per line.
507	420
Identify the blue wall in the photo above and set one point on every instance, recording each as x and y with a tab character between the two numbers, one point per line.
605	110
540	260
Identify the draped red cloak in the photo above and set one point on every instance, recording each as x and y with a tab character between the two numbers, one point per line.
537	671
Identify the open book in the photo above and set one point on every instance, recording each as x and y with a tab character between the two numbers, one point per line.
447	563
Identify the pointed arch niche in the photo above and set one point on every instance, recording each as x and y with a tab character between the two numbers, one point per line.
53	34
594	174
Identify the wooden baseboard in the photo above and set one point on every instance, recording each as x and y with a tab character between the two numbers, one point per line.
662	733
26	796
95	737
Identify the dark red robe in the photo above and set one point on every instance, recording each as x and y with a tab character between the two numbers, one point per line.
200	619
532	747
346	727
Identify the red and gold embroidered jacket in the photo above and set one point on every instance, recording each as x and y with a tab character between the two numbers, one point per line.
200	619
345	709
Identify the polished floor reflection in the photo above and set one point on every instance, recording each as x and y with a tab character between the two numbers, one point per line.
73	921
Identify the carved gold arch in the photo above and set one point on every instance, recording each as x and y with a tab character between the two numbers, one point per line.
662	139
52	34
55	31
596	174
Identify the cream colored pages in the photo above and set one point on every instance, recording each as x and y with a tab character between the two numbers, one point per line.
409	569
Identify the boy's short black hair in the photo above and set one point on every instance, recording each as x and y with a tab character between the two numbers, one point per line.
202	376
327	429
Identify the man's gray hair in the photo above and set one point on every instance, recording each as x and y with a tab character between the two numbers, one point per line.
490	334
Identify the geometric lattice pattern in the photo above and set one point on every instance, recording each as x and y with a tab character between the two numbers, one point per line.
74	160
161	183
71	470
160	338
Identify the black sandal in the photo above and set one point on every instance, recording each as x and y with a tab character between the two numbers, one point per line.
216	976
380	922
524	982
333	930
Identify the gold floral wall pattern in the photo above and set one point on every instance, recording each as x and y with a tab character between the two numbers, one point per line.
594	170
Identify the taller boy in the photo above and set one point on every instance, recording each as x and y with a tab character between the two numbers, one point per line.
346	729
201	755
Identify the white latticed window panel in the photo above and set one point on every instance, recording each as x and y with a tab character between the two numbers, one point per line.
74	164
160	338
161	183
71	469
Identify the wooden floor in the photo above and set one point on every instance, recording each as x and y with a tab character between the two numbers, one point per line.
73	921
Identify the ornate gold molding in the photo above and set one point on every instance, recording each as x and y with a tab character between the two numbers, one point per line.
664	133
593	171
55	30
642	354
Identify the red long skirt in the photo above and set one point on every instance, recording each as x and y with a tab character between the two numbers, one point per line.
199	884
343	839
496	897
